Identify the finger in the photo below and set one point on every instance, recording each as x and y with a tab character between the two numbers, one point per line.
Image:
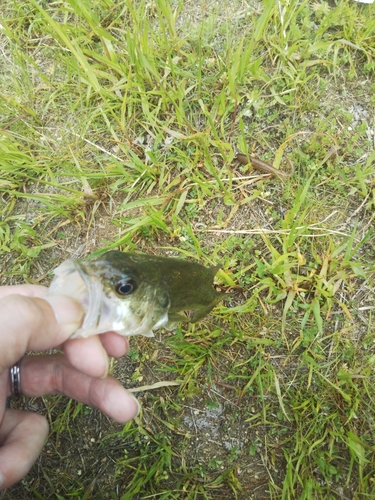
116	345
4	390
22	436
33	324
88	356
42	375
28	290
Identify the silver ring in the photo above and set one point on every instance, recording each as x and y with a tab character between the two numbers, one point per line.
15	381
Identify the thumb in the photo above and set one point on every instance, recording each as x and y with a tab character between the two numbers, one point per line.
34	324
22	436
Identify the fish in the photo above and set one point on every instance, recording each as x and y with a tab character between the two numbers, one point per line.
135	294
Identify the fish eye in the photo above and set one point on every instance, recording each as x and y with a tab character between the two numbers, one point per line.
125	286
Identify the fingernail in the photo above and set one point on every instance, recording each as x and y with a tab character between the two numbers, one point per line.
106	363
138	405
119	405
68	312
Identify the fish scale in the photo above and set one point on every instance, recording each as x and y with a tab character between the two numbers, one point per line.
135	294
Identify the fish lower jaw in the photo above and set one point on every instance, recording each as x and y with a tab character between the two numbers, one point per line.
125	324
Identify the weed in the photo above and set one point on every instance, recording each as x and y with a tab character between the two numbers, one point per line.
119	126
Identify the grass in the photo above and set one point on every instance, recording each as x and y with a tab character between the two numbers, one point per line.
119	125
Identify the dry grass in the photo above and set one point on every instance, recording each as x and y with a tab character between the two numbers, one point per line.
119	124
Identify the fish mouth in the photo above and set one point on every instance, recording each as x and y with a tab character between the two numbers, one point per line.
72	279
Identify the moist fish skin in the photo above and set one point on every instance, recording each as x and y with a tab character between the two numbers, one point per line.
135	294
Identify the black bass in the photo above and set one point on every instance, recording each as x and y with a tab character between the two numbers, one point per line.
134	294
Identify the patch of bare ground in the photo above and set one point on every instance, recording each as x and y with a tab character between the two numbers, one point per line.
224	430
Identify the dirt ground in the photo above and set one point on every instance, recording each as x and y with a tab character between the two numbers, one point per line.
210	426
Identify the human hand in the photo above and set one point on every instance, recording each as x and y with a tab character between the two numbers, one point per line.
30	321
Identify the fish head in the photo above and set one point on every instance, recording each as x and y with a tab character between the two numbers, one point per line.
116	294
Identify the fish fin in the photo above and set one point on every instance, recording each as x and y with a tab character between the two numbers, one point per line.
201	313
177	317
171	325
150	333
213	270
